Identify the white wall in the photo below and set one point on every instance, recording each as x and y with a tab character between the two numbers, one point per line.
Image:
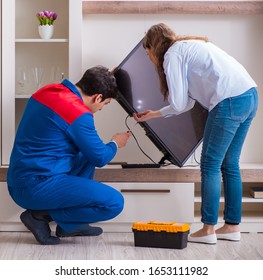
107	39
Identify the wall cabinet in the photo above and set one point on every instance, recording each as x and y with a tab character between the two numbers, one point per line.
30	62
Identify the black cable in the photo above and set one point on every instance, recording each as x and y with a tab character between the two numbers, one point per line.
126	123
167	164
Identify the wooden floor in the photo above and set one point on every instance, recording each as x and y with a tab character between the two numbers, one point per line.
116	246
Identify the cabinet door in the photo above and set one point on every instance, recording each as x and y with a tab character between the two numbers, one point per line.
165	202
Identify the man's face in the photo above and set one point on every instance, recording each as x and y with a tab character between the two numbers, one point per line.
95	102
101	104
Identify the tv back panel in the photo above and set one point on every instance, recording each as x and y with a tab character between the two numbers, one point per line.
177	137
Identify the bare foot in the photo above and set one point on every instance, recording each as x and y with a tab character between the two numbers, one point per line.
227	229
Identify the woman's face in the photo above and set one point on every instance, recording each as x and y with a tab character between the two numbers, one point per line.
151	56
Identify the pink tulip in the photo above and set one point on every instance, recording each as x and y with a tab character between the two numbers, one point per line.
46	17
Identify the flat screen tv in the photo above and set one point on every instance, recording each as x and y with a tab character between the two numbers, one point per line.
177	137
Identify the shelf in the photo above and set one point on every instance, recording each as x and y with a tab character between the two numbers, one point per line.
41	41
245	199
249	199
23	96
172	7
247	217
251	173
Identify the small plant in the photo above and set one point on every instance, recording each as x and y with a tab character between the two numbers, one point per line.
46	17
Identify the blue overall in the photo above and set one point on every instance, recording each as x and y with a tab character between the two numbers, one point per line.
53	160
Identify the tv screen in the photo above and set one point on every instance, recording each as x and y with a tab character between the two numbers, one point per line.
177	137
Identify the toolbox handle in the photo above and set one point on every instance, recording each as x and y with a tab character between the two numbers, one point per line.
145	191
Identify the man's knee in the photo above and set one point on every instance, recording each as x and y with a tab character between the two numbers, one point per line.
118	204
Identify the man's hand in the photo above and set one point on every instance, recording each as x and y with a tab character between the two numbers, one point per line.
121	138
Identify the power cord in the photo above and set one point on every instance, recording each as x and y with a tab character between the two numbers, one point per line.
162	164
137	142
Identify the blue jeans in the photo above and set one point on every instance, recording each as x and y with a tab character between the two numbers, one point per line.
225	132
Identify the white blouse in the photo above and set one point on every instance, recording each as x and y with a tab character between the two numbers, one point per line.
200	71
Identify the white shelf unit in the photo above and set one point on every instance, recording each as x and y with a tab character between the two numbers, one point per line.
41	40
23	50
252	210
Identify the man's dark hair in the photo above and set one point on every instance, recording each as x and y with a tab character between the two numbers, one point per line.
100	80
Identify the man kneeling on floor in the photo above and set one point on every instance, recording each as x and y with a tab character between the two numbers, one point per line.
55	153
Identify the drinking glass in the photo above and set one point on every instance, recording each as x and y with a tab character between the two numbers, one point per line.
38	73
22	80
56	74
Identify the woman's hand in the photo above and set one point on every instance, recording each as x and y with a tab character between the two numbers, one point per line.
146	115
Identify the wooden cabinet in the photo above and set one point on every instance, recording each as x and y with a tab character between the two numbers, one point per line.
173	177
164	194
166	202
29	61
143	202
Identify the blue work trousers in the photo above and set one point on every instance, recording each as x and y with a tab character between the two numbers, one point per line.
72	199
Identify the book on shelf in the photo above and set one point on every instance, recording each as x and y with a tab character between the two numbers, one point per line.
256	192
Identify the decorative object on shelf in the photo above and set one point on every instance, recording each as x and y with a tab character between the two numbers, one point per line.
256	192
46	31
46	24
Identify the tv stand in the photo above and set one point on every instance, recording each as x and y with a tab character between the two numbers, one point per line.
142	186
141	165
145	165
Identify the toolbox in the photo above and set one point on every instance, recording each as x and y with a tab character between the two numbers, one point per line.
160	234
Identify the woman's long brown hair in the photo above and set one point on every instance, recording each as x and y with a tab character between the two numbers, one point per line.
158	39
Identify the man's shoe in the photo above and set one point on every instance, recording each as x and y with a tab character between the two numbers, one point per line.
39	228
207	239
42	215
232	236
86	230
